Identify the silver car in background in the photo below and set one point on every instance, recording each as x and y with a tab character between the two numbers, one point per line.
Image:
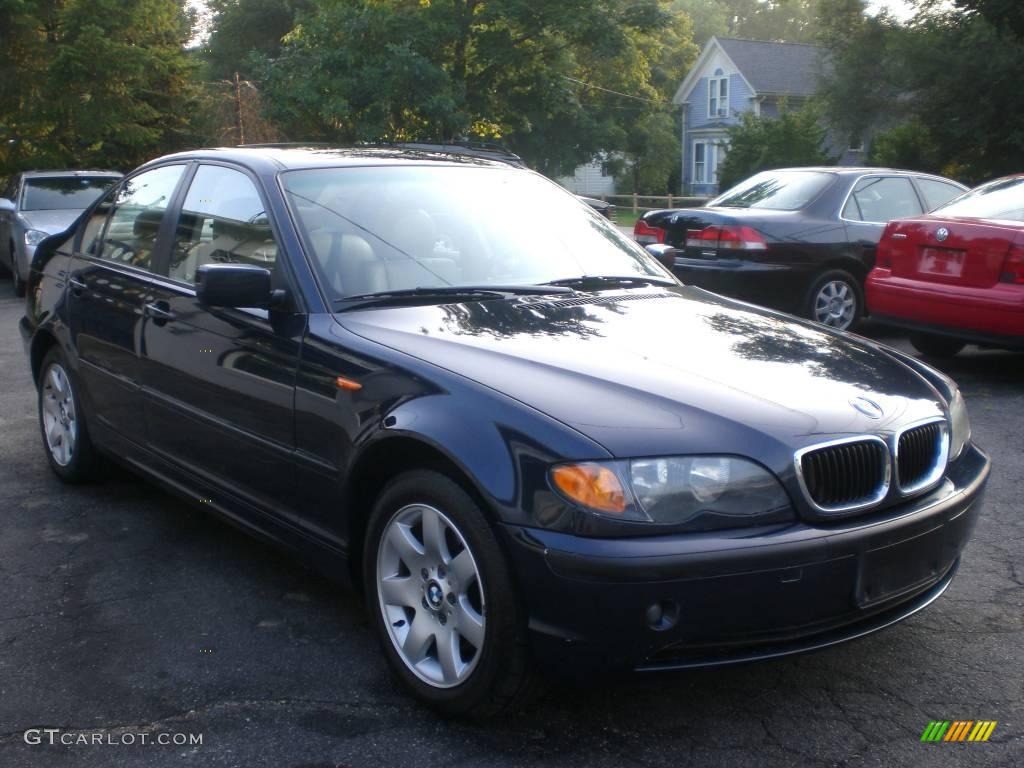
37	204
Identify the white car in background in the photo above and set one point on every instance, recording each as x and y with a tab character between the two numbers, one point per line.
37	204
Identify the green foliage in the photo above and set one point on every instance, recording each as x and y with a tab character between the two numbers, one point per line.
951	79
757	144
909	145
521	73
97	83
240	28
791	21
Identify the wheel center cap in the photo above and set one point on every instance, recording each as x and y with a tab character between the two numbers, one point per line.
435	595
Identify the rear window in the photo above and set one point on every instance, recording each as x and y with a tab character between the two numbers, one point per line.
1000	199
64	192
776	190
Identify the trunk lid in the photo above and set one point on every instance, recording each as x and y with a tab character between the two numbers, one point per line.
956	251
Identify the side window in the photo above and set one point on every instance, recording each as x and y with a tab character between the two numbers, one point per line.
222	220
937	192
94	225
139	207
880	199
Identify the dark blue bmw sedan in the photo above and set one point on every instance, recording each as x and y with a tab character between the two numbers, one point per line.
452	384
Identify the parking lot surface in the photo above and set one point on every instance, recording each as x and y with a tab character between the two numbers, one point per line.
125	611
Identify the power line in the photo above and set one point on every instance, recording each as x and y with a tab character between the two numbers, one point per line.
660	103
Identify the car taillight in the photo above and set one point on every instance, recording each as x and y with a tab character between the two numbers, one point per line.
645	234
727	238
1013	266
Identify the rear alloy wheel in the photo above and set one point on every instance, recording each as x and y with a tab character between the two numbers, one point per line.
66	439
835	300
441	598
936	346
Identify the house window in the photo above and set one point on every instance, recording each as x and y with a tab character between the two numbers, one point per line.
700	150
718	96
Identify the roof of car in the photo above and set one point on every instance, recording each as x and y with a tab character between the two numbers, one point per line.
69	172
847	170
314	156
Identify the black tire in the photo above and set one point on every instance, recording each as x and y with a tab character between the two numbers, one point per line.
85	464
503	676
835	277
936	346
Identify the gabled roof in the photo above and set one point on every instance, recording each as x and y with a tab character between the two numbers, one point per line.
767	67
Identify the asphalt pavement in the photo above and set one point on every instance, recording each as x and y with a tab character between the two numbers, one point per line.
129	616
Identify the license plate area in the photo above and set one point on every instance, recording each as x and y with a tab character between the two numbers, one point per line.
941	262
889	572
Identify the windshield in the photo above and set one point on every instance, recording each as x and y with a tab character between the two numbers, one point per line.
1001	199
59	193
391	228
775	190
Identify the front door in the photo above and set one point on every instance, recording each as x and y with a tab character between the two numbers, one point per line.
219	384
110	278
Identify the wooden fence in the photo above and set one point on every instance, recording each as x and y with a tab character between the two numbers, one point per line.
639	203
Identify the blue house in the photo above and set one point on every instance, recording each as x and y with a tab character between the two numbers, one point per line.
733	76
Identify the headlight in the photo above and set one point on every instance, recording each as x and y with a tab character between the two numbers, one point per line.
35	236
693	492
959	425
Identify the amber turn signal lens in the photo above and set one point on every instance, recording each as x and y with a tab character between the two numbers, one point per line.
592	486
347	384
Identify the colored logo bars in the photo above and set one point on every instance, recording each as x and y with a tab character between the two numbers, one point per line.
958	730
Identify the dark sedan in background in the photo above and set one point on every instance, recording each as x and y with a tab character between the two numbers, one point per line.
447	381
801	240
956	276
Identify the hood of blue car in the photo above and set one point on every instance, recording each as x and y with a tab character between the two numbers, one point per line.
663	370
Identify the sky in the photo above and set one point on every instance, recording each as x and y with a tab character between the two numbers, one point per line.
901	9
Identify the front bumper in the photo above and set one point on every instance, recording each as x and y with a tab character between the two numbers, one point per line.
742	595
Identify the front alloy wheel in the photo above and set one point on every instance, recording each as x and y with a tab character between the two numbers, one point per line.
58	414
431	596
442	599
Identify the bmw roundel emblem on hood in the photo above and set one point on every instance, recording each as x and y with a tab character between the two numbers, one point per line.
869	408
942	234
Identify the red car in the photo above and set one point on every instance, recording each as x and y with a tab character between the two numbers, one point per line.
956	276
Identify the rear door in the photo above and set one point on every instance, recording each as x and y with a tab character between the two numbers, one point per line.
111	278
873	202
220	383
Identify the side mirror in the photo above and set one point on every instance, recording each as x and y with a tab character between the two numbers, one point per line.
7	206
666	254
235	285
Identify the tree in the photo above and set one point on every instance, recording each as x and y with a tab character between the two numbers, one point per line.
546	79
761	143
950	77
240	28
791	21
98	83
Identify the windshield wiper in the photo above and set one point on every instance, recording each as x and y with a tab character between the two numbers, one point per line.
600	282
444	293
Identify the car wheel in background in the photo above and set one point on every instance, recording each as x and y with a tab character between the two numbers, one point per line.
936	346
62	424
441	598
836	300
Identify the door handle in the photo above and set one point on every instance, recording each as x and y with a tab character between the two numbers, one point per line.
77	286
159	311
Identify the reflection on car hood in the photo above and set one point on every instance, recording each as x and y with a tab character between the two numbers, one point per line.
663	370
50	222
